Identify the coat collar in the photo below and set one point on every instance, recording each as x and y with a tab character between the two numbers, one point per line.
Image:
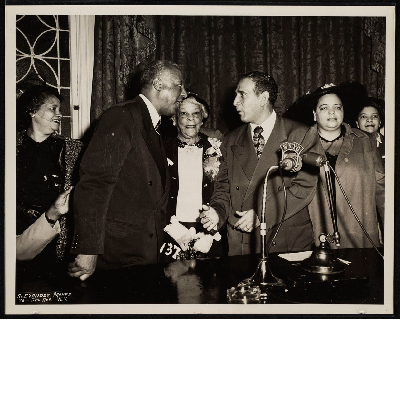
244	152
154	115
171	146
153	140
347	145
269	157
246	157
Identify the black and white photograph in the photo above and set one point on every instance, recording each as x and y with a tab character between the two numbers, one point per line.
289	112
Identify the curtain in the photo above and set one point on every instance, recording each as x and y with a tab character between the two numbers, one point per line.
301	53
121	44
82	55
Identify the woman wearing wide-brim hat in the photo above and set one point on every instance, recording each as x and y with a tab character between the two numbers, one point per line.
355	160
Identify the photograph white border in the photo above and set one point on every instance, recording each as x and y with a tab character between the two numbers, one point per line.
10	197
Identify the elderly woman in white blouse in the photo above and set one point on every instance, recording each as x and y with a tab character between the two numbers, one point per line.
194	160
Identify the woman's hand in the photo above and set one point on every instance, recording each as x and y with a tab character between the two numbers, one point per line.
59	207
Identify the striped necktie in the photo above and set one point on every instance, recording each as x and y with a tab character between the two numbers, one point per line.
156	128
258	140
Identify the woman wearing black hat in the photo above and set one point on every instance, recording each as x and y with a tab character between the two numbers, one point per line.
356	163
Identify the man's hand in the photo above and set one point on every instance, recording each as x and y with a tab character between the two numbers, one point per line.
83	266
60	206
209	218
248	221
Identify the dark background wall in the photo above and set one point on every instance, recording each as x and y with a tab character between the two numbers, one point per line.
301	53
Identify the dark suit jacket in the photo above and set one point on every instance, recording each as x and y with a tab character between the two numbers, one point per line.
240	183
120	201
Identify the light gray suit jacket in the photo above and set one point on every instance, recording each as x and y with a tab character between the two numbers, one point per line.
240	182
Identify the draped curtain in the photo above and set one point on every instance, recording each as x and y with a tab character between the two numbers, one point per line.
301	53
82	55
121	44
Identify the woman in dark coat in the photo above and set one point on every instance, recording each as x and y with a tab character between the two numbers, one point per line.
194	161
355	160
45	165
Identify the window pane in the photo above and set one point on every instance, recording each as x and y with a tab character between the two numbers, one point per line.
43	49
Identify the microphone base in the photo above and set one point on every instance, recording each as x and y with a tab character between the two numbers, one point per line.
323	261
264	277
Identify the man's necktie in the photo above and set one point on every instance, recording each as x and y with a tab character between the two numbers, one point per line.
157	129
258	140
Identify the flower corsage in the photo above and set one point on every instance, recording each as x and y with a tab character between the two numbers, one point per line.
211	159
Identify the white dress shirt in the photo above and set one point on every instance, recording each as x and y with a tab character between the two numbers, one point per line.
154	115
267	126
190	194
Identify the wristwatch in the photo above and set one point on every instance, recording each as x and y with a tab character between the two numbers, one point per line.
50	221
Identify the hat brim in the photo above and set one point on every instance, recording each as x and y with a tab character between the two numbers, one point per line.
352	94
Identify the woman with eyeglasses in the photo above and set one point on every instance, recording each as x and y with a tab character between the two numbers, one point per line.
194	161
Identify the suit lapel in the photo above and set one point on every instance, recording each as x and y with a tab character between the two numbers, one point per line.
244	153
269	157
153	142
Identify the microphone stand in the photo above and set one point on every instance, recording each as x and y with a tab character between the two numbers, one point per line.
263	275
322	260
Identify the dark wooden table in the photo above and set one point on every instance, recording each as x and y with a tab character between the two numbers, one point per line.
207	281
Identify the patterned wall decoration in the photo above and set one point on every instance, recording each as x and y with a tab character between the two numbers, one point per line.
42	49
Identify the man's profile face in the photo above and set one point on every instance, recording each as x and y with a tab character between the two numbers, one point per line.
249	105
172	90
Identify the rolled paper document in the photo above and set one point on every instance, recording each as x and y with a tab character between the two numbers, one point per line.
203	244
180	233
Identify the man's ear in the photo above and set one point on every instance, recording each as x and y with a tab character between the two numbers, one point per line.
358	126
264	98
157	84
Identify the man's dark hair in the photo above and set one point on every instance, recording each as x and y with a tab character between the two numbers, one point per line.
263	83
152	70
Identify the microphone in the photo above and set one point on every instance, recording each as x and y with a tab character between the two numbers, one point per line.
292	160
314	159
291	163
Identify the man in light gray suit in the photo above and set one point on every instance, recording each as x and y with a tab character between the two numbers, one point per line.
251	150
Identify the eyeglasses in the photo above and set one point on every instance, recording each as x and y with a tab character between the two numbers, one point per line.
179	85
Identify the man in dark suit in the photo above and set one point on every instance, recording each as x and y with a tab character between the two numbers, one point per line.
120	201
251	150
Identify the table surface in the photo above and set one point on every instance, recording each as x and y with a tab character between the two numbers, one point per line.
207	282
